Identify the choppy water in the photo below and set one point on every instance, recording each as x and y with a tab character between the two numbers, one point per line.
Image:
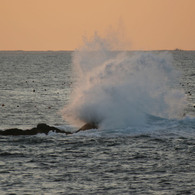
157	158
33	87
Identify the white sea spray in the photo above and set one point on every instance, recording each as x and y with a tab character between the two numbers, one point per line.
120	88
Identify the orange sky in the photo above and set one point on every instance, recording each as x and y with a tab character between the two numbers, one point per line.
61	24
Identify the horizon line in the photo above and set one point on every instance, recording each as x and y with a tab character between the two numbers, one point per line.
68	50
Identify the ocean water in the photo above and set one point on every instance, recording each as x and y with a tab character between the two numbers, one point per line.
146	140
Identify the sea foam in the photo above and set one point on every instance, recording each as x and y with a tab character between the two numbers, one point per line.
120	88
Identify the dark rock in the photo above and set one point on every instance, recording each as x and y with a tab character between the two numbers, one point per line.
44	128
88	126
14	131
41	128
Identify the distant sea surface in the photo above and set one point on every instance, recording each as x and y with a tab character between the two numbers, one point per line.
158	158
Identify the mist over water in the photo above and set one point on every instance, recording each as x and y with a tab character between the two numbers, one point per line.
120	89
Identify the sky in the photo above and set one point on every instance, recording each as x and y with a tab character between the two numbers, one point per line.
62	24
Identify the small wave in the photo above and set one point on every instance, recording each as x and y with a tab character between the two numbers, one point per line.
11	154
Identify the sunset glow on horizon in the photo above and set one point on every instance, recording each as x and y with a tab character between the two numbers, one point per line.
61	24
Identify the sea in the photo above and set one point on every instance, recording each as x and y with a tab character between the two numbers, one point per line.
125	155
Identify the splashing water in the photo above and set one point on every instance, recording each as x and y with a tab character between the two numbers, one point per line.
119	89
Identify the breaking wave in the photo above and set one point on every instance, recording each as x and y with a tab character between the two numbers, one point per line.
121	88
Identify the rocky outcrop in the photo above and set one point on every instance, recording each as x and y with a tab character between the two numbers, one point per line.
88	126
41	128
44	128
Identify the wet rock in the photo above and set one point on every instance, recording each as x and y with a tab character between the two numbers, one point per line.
44	128
41	128
88	126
